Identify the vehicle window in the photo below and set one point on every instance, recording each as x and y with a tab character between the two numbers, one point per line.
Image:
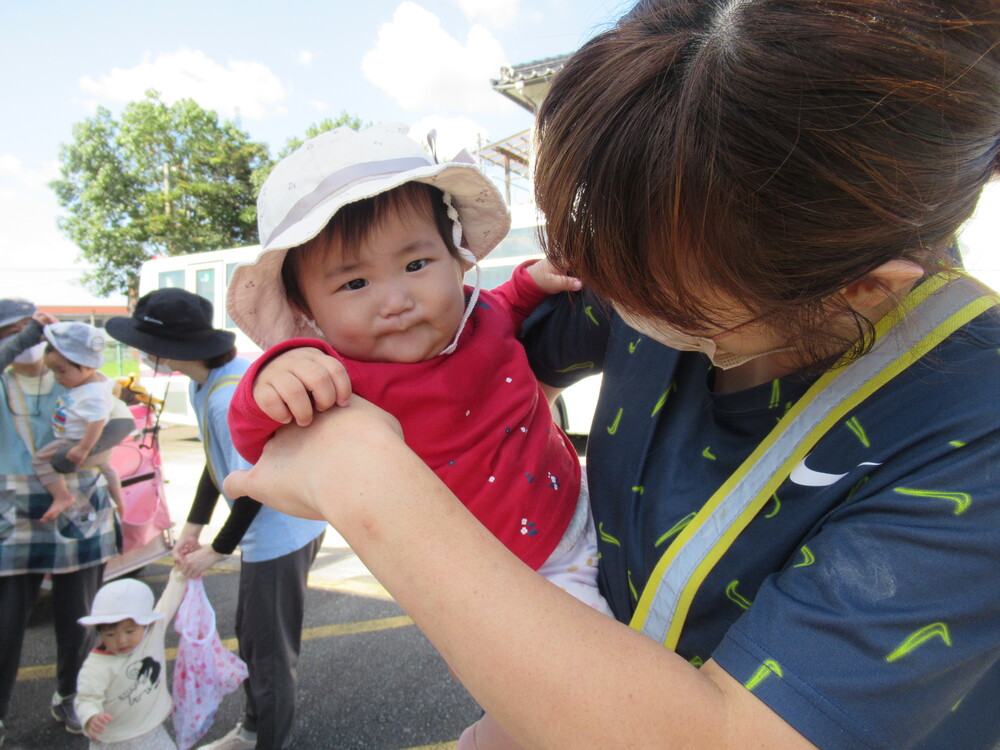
204	283
171	279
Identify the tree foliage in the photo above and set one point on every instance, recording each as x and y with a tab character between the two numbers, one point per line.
162	180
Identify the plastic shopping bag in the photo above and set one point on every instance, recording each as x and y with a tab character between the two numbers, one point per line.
205	670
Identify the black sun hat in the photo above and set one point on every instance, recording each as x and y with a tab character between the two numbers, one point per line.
172	324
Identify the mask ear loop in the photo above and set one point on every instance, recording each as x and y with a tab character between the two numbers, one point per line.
464	254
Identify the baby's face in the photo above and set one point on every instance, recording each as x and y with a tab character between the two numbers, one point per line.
121	637
399	300
67	374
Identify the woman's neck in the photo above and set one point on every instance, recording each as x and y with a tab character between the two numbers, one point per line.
194	369
760	370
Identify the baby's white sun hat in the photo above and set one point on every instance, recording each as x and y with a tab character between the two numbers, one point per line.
326	173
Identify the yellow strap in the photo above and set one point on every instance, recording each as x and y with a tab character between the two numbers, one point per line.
677	597
222	382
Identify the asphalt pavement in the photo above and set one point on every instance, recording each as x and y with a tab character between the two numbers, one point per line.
367	677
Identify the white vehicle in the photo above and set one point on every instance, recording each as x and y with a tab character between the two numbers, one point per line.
208	275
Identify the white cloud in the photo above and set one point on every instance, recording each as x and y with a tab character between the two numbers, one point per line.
453	134
306	57
318	105
32	179
498	13
421	66
241	88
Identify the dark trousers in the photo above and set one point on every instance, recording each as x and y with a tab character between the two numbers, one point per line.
269	614
72	595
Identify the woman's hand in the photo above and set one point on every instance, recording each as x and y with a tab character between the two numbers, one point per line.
194	564
293	474
187	542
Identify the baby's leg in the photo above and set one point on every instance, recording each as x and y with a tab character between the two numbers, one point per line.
114	487
53	481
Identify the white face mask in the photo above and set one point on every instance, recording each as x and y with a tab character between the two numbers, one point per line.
29	356
669	336
156	364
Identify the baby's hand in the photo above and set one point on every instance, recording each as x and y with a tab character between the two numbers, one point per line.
96	724
298	382
76	454
552	281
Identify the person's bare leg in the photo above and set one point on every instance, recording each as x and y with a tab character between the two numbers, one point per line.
62	498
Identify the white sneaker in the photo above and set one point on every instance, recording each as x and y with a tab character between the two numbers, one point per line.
237	739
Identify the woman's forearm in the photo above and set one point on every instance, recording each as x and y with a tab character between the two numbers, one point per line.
552	671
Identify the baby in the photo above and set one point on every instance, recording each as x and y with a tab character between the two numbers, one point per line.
359	288
74	353
122	698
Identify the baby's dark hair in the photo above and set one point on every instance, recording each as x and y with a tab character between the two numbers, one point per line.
353	223
49	349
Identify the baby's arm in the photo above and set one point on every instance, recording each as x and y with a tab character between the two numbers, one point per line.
552	281
299	382
89	700
251	426
81	450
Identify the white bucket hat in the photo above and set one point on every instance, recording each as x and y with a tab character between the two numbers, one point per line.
80	343
120	600
326	173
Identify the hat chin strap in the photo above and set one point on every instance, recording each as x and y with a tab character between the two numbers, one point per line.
464	254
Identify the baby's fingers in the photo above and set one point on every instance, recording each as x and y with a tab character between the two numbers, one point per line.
285	398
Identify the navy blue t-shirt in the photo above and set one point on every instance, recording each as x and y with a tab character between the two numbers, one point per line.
863	602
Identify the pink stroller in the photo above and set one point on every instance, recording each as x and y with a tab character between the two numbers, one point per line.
146	527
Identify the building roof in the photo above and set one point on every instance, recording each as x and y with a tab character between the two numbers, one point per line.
526	84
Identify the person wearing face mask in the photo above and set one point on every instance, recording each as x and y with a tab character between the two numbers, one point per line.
74	547
173	329
793	461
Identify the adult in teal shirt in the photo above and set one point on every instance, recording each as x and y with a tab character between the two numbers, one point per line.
174	327
71	549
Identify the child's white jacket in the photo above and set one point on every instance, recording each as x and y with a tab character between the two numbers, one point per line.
131	687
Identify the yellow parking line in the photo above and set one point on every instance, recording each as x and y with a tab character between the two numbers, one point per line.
438	746
309	634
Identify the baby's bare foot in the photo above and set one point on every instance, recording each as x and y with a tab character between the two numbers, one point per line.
59	504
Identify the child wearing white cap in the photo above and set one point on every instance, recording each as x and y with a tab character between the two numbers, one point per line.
74	354
359	288
121	692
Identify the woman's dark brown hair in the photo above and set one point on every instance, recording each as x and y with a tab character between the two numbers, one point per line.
767	152
353	223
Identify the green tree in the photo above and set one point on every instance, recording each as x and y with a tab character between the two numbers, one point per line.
312	131
162	180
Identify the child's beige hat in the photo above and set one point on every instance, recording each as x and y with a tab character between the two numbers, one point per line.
327	172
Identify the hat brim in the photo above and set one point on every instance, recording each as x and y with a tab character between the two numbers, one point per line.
191	348
256	299
109	619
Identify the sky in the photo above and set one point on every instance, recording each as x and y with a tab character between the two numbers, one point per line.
276	67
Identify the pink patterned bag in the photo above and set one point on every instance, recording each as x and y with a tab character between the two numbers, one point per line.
205	671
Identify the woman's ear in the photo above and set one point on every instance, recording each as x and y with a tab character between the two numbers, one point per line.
889	281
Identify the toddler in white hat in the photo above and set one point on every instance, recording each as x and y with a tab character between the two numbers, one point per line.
74	354
359	288
122	698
